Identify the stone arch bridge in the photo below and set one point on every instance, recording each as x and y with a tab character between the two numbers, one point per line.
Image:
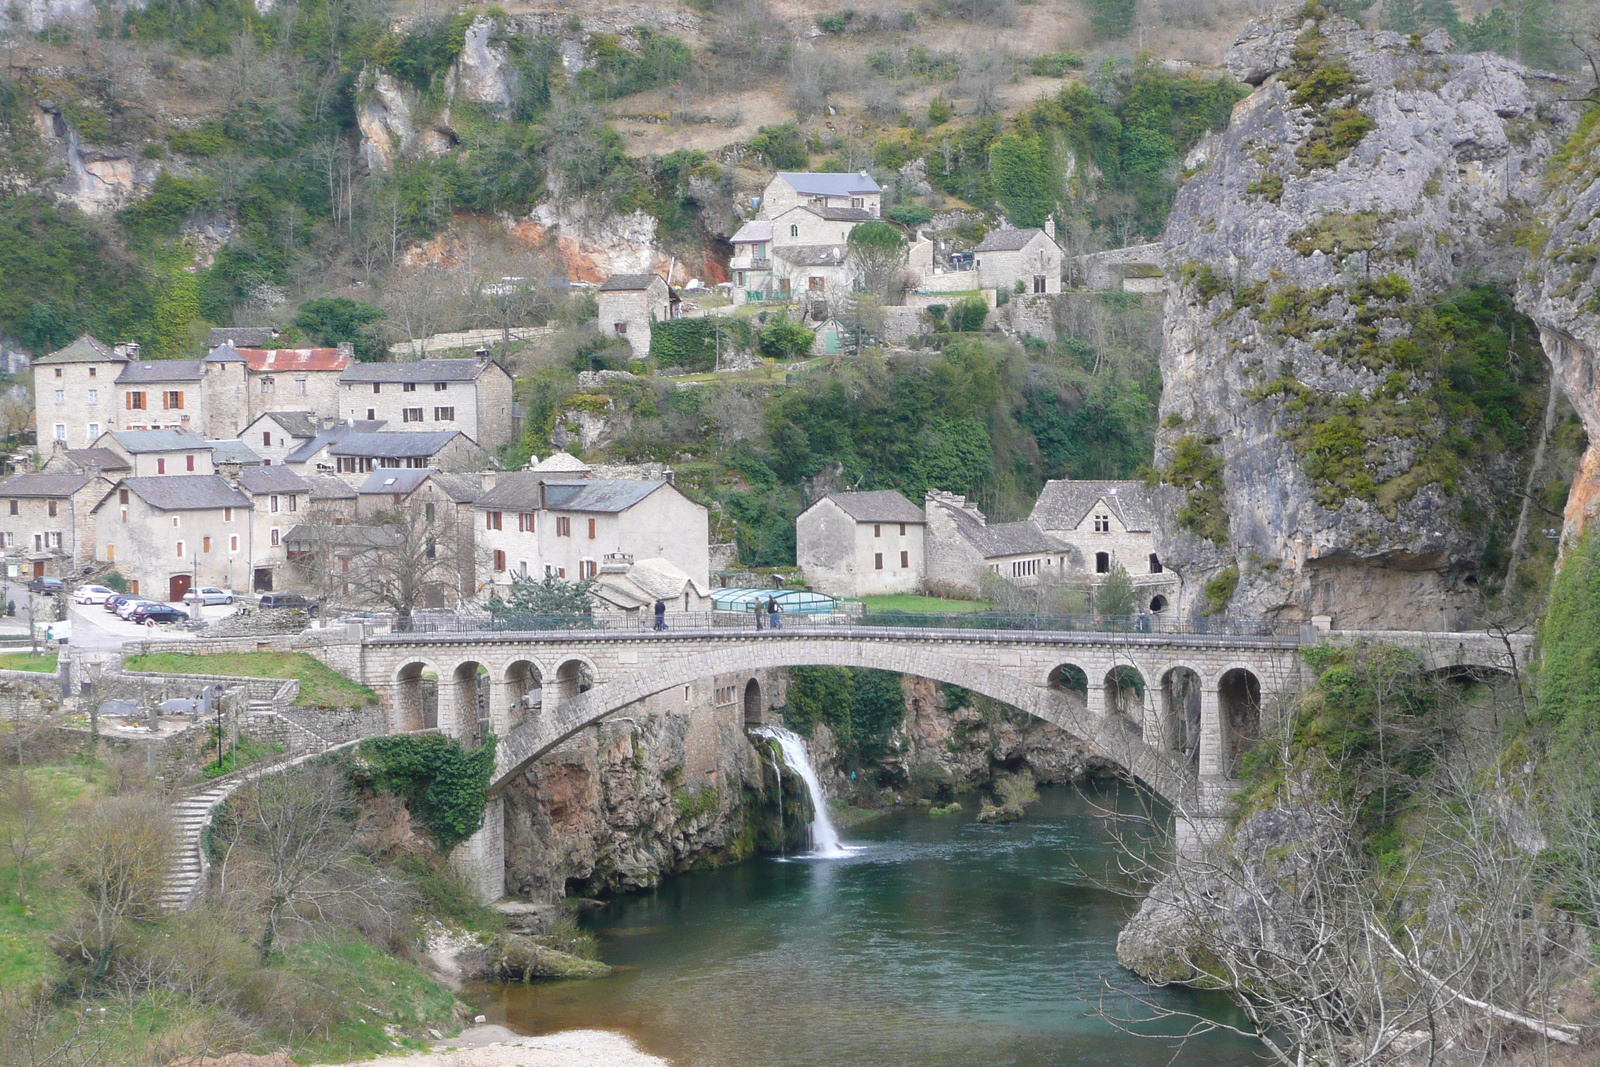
1175	710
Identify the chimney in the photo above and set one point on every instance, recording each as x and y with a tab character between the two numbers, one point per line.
1050	226
669	476
346	348
488	478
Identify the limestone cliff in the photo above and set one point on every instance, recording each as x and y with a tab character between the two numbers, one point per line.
1332	443
642	796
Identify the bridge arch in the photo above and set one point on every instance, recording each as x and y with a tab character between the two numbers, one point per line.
464	701
416	703
576	675
1181	710
1125	691
1069	678
524	691
1239	706
754	706
1111	737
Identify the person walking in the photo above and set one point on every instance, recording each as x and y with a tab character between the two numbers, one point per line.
772	613
661	615
759	614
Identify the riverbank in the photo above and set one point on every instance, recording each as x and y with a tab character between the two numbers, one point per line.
496	1046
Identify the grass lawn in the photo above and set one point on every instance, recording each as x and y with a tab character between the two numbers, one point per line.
27	661
930	605
319	684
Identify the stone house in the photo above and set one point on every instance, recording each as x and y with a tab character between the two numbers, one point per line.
279	499
815	275
751	266
294	379
87	461
471	396
351	453
534	524
275	434
153	453
227	390
1029	256
629	303
46	523
163	394
333	501
74	392
788	189
962	544
1106	524
169	533
440	499
861	544
631	587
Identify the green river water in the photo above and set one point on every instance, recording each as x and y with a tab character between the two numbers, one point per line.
938	941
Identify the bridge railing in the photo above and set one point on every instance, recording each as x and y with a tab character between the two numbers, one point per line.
1129	626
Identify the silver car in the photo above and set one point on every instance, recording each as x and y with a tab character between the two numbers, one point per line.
209	594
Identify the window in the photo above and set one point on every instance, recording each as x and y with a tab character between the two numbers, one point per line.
525	523
491	520
188	462
794	231
440	387
161	465
877	530
175	521
588	568
408	387
122	497
377	387
1024	568
563	526
738	278
266	438
135	401
621	328
52	507
1155	563
13	504
227	514
1102	523
444	414
58	372
180	549
411	415
61	431
299	387
91	372
94	431
905	560
877	561
272	504
205	545
427	512
233	542
111	553
816	283
1102	563
274	537
591	529
294	502
94	396
499	560
1038	283
38	543
172	401
902	529
858	201
372	414
267	385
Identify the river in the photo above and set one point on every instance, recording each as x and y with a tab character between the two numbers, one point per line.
937	941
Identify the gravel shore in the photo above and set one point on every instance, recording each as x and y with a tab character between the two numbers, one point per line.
496	1046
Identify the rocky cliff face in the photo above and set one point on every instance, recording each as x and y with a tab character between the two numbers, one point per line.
1331	446
636	798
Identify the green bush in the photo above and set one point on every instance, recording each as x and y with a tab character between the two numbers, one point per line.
781	147
967	315
444	786
782	339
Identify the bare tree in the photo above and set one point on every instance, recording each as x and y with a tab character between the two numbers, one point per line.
26	821
118	855
411	556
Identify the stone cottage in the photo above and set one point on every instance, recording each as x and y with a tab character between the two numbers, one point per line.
962	544
629	303
75	392
46	526
169	533
861	544
1106	524
1030	256
472	396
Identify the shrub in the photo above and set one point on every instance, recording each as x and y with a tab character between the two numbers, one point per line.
968	314
781	147
444	786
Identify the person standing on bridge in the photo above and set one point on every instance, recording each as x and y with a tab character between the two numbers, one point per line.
759	612
661	615
772	613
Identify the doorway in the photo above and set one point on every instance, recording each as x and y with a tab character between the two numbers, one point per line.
263	580
178	586
38	568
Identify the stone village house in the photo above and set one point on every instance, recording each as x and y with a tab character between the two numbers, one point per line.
962	544
472	396
629	303
46	523
352	453
1030	256
861	544
275	434
279	498
1106	524
168	533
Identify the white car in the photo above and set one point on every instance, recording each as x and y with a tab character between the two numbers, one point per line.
91	594
209	594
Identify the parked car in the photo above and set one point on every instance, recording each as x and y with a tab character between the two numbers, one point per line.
147	612
210	594
293	601
47	585
126	608
116	600
91	594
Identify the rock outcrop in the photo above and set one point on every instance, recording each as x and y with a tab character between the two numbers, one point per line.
1329	449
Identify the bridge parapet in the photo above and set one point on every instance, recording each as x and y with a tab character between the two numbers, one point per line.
1507	653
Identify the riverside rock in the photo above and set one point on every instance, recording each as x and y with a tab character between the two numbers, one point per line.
1368	178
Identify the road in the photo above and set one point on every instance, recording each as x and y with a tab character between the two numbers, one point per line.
94	629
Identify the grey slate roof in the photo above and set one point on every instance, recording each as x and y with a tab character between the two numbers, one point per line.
620	283
327	487
754	231
608	495
462	488
515	491
84	350
233	452
813	255
258	480
98	459
395	480
810	183
1006	240
138	441
162	370
845	214
44	485
393	443
185	492
1000	539
241	336
294	423
225	353
1063	504
416	370
883	505
349	536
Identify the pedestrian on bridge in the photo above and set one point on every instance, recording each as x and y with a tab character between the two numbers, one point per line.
661	615
772	613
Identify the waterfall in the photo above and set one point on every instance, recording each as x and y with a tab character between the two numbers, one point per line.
777	774
824	838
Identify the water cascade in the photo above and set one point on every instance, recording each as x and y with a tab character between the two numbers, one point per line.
824	838
777	774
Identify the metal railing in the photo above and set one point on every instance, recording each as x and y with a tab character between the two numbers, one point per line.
1104	627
